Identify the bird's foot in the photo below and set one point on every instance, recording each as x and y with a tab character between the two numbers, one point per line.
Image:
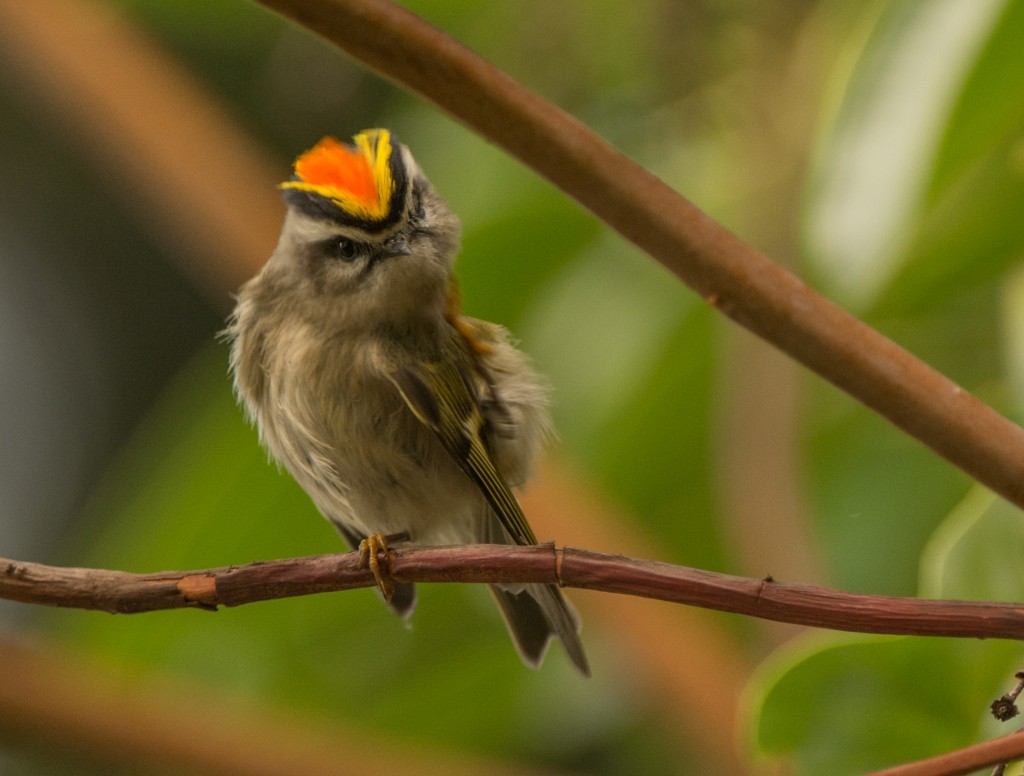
370	551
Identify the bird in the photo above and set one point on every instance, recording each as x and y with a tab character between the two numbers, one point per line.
404	420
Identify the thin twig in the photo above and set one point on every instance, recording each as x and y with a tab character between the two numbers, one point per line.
123	592
962	761
1004	708
720	267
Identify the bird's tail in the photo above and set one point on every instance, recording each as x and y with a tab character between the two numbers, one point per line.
534	615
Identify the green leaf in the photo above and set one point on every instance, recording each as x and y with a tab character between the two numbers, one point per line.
877	156
975	553
983	119
1012	310
965	228
850	704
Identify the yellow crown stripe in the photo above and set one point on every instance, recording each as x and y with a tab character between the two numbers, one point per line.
376	144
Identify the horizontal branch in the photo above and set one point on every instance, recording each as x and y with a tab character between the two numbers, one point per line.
124	592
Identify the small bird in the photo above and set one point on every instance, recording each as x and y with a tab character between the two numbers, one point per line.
401	418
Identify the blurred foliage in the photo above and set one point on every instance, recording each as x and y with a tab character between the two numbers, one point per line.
910	215
848	704
943	280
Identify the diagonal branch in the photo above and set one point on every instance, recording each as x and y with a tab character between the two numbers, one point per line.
723	269
127	593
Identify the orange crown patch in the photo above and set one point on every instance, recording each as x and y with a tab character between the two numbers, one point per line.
357	178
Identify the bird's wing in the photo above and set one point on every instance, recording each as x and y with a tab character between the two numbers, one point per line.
441	395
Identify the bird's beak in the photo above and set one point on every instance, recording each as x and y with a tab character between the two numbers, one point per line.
397	246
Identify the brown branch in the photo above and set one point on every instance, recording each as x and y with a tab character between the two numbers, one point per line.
963	761
124	592
724	270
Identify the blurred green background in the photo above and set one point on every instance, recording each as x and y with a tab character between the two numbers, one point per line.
877	149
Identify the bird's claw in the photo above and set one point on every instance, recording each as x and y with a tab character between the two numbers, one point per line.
369	548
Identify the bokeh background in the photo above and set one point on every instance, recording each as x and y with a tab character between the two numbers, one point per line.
877	149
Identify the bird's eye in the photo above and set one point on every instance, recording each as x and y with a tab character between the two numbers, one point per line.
346	249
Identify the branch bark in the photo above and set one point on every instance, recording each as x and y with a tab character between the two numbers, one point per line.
127	593
724	270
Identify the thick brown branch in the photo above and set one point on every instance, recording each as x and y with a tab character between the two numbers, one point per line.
119	591
724	270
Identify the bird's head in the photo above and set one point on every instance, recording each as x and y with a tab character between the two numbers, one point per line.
365	226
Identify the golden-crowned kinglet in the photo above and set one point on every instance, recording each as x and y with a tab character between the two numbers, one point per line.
400	417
